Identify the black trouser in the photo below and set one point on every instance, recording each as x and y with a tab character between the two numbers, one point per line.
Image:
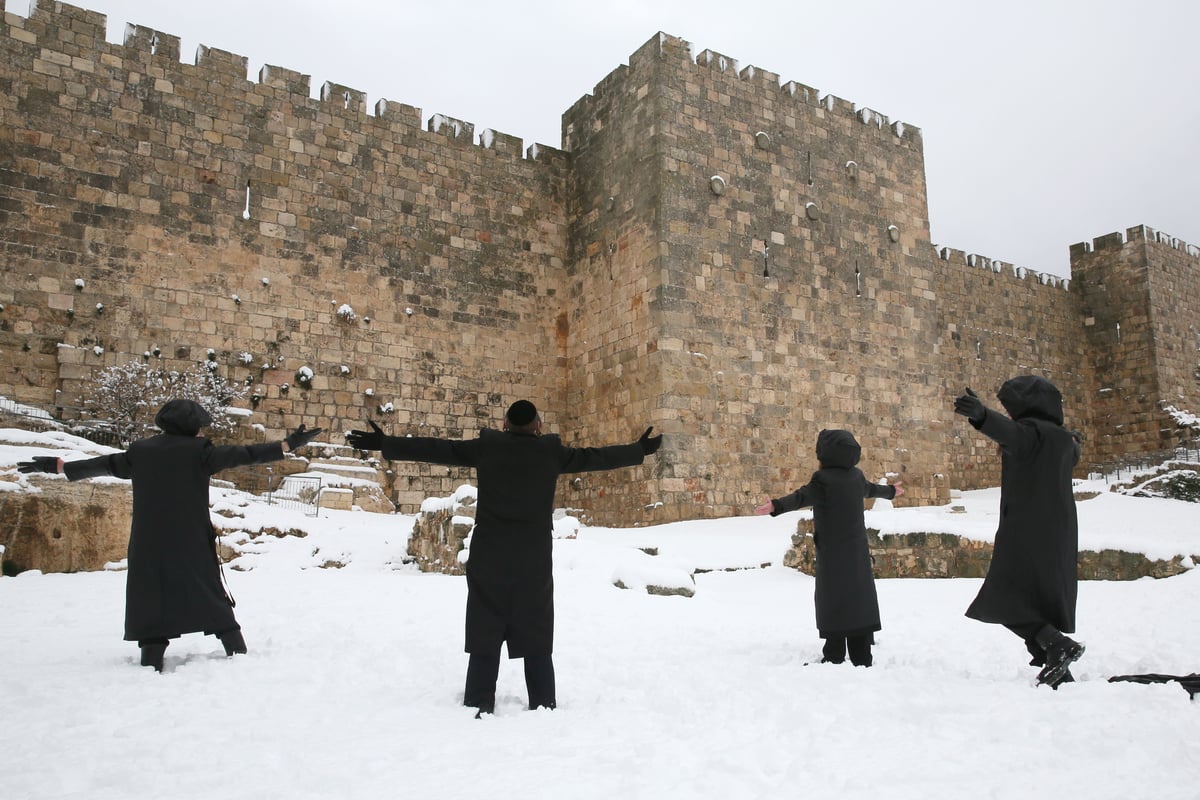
484	668
859	646
1028	632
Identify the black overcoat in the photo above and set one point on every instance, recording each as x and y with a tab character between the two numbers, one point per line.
1033	574
845	598
173	585
510	581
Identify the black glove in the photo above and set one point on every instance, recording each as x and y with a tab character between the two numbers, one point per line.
39	464
301	437
970	406
366	440
650	444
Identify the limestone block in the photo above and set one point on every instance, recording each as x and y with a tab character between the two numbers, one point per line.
337	499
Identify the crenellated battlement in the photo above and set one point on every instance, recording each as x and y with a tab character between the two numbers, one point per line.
664	47
997	267
151	42
1138	233
81	33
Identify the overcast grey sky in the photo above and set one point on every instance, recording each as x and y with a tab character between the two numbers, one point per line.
1045	122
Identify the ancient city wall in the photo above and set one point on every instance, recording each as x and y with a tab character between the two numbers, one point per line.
996	321
150	205
737	260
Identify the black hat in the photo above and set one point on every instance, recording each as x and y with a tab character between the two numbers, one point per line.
521	413
182	418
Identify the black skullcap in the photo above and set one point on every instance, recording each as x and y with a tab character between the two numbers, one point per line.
521	413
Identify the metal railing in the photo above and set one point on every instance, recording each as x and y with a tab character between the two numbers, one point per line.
296	493
1129	466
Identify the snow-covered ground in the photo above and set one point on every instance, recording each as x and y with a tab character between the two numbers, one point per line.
353	684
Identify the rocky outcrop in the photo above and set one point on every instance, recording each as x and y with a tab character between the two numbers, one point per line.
944	555
439	536
66	527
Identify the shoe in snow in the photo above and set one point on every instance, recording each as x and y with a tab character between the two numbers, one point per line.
152	655
1066	678
1059	657
233	641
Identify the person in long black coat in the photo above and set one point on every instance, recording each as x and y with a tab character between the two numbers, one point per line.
510	581
1031	586
173	584
846	603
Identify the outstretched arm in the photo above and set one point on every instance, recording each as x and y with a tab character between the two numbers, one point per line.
883	490
801	498
1010	435
416	448
116	465
594	459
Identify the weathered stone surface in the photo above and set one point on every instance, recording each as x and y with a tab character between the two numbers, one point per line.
66	527
941	555
337	499
606	281
438	537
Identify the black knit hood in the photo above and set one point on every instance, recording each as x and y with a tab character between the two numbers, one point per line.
1031	396
837	448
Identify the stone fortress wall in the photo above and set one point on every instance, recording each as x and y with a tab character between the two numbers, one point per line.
736	260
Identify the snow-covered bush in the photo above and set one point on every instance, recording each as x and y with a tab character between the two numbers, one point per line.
127	396
346	313
304	377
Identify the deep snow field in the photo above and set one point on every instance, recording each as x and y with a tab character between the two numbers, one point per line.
353	684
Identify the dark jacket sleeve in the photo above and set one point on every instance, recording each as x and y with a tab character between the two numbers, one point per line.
229	455
461	453
595	459
116	465
882	490
801	498
1017	438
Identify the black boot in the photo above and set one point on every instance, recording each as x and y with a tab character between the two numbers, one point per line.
859	648
1061	652
152	653
233	641
1066	678
834	650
